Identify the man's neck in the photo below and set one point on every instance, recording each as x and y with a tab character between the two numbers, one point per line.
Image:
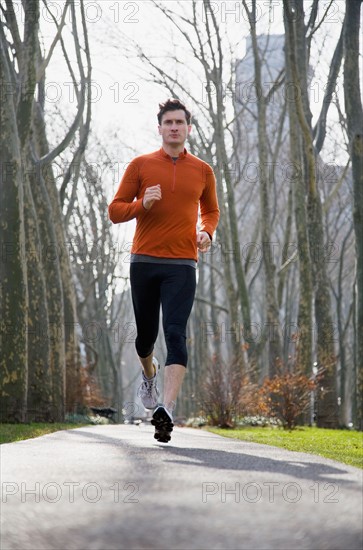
173	151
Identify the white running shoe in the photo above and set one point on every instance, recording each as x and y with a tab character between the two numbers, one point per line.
148	391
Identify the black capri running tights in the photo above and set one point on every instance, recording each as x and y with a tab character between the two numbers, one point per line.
172	287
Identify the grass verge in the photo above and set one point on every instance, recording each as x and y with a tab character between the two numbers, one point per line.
342	445
17	432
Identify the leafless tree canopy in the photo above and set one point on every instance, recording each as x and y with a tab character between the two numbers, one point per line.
283	281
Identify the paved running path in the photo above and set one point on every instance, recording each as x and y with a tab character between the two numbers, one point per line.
114	487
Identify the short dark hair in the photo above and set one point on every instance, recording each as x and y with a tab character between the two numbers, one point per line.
173	105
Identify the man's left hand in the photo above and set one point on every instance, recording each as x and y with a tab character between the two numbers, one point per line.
203	241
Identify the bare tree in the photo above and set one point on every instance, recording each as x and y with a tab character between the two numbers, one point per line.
354	111
325	353
14	295
42	311
94	265
236	291
272	309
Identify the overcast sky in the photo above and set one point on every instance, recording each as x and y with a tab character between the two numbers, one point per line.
125	104
127	96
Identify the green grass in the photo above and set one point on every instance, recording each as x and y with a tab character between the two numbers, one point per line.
342	445
18	432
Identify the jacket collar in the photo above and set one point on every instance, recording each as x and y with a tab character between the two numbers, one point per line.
166	156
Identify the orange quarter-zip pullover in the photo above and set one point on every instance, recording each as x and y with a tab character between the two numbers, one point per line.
169	228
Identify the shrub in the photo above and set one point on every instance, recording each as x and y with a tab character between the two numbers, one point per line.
221	393
286	396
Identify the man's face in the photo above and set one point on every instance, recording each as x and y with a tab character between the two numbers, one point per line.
174	128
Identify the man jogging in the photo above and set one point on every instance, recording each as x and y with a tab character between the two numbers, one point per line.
163	191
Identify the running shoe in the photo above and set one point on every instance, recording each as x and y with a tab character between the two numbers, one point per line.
163	422
149	391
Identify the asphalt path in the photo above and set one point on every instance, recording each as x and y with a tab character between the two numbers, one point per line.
115	487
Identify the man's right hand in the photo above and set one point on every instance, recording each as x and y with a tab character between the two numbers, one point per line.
151	195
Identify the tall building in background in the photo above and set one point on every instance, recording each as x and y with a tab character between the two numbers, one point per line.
246	158
271	48
272	56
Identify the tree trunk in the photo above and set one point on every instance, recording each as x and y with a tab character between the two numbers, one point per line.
327	406
52	272
226	238
40	390
354	111
304	319
65	354
13	287
272	309
43	265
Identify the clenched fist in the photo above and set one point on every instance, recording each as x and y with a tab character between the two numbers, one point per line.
151	195
203	241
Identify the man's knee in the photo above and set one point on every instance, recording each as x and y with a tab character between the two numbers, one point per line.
176	345
143	349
